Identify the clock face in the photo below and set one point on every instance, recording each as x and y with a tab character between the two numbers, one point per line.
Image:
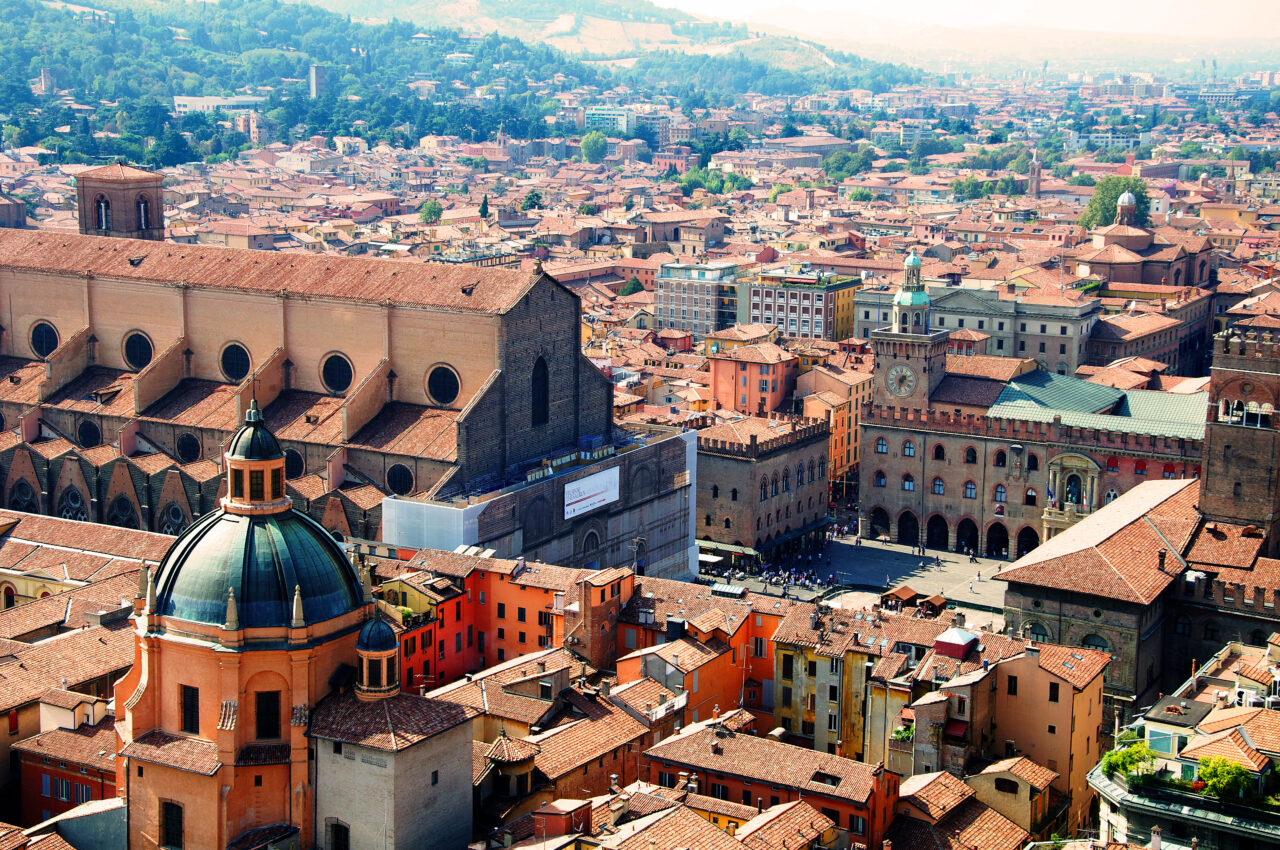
901	380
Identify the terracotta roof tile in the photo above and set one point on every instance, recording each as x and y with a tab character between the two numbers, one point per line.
935	794
78	657
793	824
92	746
678	827
1025	769
176	751
1114	553
766	760
604	729
1230	744
202	267
394	723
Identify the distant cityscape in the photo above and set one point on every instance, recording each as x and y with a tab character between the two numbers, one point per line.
526	456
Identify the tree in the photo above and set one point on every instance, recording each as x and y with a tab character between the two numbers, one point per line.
631	287
860	194
1081	180
172	149
430	212
484	206
531	201
1102	206
1128	758
594	146
1223	778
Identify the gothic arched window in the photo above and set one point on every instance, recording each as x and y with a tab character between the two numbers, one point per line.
71	505
23	498
540	393
122	513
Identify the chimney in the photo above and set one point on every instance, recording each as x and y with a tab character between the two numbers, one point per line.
1160	557
1155	838
604	688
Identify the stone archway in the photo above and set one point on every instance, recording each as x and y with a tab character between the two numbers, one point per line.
967	535
879	523
937	534
997	540
908	529
1028	539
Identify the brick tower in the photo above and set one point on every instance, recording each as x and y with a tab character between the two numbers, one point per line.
120	200
1241	441
911	357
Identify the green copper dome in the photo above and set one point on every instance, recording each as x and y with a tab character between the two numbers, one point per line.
913	259
911	298
262	558
253	441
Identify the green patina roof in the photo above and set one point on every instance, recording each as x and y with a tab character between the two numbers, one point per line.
1039	396
1062	392
907	298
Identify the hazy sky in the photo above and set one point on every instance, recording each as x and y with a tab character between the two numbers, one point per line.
1245	18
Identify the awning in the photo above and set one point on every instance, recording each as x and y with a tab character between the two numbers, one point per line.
704	558
955	728
726	547
799	532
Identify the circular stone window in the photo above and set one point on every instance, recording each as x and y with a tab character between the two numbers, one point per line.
44	339
400	479
336	373
442	385
1037	604
137	351
188	448
235	362
88	434
293	467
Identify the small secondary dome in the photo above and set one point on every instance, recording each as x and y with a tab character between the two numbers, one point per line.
1127	200
376	636
913	259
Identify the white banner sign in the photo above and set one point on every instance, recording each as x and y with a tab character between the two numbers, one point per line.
587	494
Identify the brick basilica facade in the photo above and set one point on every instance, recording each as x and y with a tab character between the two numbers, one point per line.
125	365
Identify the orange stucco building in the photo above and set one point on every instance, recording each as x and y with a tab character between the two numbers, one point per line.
251	613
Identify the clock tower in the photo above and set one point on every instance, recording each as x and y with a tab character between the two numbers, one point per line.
911	357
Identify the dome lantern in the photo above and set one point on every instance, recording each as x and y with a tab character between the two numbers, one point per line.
255	469
1126	208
